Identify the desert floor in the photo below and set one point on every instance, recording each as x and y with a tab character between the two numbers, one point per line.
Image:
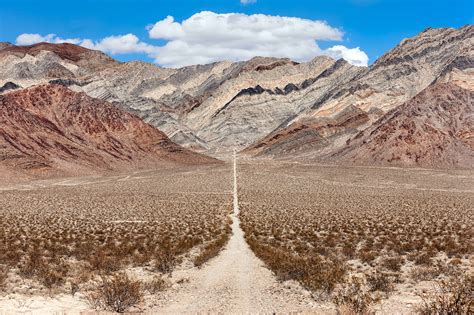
264	195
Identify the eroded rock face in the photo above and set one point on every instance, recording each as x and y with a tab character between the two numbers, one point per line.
49	128
434	129
218	107
436	55
312	136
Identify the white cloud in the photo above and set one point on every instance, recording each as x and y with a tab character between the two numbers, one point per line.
208	37
120	44
247	1
354	56
30	39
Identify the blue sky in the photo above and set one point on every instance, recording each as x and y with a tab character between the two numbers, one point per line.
373	25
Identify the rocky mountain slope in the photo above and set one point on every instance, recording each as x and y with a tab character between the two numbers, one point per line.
264	106
49	129
398	76
434	129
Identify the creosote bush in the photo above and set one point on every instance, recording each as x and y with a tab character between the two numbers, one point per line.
353	297
157	284
59	235
454	295
212	249
118	293
3	277
320	225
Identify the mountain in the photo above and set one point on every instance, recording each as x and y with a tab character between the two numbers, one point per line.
45	60
394	79
267	107
49	129
434	129
204	107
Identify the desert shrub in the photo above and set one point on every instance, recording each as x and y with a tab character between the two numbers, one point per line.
53	277
103	262
166	260
424	259
117	294
380	281
157	284
348	249
52	273
424	273
3	277
393	263
353	297
313	272
212	249
453	296
73	288
31	264
367	256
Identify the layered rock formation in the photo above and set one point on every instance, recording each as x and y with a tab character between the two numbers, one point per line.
436	55
267	107
434	129
49	129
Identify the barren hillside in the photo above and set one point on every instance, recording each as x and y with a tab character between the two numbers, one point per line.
49	129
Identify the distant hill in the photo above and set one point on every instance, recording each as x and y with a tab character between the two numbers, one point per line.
49	129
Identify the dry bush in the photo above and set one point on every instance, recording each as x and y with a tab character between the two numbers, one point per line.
292	214
454	296
212	249
380	281
353	297
424	258
3	277
50	234
313	272
117	294
103	262
166	260
54	276
393	263
74	288
424	273
157	284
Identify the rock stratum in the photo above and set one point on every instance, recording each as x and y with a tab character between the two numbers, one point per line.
433	129
265	107
49	129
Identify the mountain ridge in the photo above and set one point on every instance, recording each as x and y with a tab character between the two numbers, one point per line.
217	107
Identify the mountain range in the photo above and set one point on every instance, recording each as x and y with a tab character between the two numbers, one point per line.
412	107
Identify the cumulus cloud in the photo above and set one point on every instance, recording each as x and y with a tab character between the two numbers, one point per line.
354	56
119	44
30	39
208	37
247	1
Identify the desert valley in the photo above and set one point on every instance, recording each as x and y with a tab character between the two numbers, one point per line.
260	186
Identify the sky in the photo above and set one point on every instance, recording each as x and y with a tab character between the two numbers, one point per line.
180	33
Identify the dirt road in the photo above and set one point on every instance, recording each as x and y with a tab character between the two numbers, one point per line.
236	282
